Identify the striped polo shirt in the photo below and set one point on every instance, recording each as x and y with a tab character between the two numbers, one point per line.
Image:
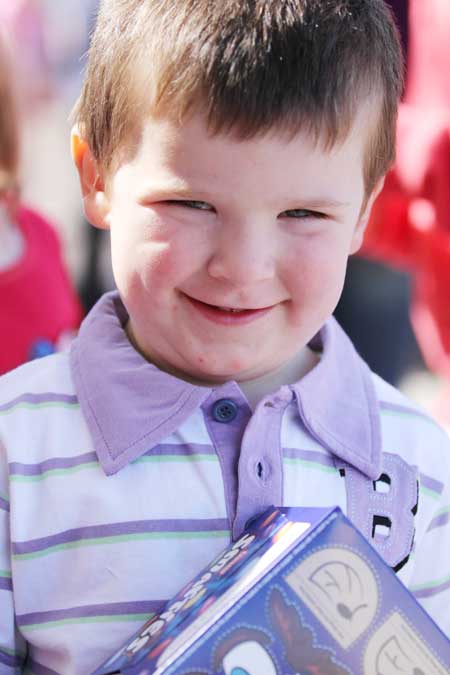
119	482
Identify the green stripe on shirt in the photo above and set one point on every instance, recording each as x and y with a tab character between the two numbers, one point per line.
101	541
142	618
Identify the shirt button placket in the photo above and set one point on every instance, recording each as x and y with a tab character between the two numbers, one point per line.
226	418
261	464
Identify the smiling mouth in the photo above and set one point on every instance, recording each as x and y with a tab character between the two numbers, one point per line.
225	311
230	309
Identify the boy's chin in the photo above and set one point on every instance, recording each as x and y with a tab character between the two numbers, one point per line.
221	371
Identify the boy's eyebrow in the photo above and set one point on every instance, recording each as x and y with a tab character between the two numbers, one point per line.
164	190
180	190
321	203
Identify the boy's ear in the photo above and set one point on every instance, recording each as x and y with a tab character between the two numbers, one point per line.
358	234
95	201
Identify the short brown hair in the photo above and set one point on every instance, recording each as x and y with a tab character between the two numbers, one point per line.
249	65
9	134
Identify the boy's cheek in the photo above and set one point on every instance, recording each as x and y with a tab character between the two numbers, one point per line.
153	269
317	285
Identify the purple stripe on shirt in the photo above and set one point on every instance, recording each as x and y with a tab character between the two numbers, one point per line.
432	590
431	483
309	456
396	407
4	505
11	661
118	529
92	611
35	399
439	521
181	449
5	584
19	469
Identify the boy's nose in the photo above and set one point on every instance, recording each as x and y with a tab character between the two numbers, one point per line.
243	257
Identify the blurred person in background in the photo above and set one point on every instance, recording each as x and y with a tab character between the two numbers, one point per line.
39	308
22	24
67	30
410	224
49	40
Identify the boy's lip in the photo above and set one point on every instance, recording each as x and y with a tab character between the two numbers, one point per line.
225	315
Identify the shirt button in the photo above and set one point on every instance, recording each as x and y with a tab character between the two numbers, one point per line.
224	410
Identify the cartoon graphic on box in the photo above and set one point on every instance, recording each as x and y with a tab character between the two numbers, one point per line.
397	648
341	588
298	642
244	651
247	651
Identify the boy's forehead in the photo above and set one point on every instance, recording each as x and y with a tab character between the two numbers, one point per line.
170	135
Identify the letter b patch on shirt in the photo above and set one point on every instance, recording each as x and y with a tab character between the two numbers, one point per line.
384	510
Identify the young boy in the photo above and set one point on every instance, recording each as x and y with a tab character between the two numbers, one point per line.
234	150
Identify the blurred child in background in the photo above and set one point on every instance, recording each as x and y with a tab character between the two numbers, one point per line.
39	308
410	223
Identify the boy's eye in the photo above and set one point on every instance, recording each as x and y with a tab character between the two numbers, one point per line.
302	214
191	204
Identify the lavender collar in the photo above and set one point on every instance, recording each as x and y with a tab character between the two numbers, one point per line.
130	405
338	403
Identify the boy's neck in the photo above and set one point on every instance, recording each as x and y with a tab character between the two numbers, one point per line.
255	388
288	373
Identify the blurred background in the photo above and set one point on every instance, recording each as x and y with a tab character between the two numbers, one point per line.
48	40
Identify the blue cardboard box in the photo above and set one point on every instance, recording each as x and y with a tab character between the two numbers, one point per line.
300	593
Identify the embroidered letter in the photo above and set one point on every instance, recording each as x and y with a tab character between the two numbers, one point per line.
383	510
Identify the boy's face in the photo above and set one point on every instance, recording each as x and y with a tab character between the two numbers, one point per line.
230	255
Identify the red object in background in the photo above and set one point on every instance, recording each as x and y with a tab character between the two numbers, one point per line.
38	303
410	223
